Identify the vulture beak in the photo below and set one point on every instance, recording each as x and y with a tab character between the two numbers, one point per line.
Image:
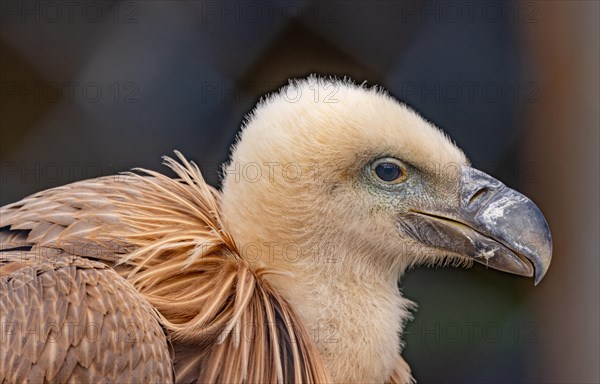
492	224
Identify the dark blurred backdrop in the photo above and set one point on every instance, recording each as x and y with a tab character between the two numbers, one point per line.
95	87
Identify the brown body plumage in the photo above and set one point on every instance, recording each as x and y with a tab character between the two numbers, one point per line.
159	268
210	302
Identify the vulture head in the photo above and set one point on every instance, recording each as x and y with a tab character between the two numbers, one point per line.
343	188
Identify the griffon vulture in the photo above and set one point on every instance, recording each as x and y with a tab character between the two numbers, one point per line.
332	192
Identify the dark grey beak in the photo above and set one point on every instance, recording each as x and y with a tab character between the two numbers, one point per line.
492	224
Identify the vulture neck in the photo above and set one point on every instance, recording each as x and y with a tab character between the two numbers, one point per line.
352	308
352	312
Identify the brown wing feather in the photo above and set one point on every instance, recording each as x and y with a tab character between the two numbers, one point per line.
69	319
225	321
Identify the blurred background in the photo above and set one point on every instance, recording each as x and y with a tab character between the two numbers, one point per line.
95	87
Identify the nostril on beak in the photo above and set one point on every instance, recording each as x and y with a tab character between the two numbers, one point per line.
477	188
477	195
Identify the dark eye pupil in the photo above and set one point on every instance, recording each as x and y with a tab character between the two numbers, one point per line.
388	171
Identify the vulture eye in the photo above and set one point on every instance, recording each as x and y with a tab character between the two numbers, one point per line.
388	170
